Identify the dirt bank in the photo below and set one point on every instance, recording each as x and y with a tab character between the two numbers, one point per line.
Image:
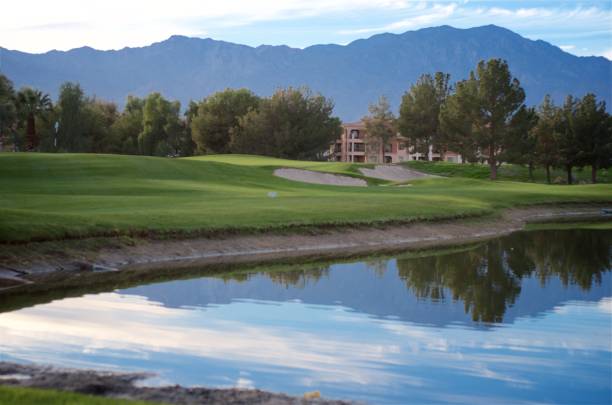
309	176
121	385
34	261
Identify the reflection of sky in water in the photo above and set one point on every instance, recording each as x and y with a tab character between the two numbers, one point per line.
387	332
292	346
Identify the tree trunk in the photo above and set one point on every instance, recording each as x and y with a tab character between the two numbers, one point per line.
32	142
594	173
569	174
530	171
492	163
548	173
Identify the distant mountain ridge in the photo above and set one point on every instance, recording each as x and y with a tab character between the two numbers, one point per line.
353	75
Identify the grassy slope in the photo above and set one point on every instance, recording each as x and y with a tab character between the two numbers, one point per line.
264	161
505	172
30	396
51	196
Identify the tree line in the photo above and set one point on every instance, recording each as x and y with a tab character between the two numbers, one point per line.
293	123
484	118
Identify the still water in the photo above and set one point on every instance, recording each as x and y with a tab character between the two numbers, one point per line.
518	319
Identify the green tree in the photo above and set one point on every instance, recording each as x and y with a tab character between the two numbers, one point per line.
128	126
545	134
491	99
8	110
100	116
521	145
46	130
189	145
72	135
32	105
593	134
567	139
293	124
179	138
217	116
381	126
457	115
420	109
160	119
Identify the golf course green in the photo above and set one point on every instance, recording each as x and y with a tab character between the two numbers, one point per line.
57	196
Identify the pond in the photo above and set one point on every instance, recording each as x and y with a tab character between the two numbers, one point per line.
526	317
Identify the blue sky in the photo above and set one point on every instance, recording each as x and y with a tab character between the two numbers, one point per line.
579	27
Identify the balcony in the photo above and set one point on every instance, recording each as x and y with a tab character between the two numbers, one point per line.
357	147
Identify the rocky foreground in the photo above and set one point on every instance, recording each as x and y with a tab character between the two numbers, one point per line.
123	386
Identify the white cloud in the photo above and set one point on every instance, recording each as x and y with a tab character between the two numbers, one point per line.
605	305
103	330
567	48
112	24
607	54
426	16
37	26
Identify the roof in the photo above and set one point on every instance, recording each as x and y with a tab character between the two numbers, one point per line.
354	124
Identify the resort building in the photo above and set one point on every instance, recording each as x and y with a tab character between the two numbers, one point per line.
355	146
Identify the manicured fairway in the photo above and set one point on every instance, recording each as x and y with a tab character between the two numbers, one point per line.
52	196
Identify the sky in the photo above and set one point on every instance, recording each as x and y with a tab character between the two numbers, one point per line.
579	27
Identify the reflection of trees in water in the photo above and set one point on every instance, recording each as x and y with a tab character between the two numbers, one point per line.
299	277
478	277
287	276
488	279
579	257
378	266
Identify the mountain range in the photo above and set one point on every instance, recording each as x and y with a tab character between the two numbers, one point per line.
353	75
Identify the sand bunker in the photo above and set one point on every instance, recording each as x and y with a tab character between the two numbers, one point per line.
308	176
393	173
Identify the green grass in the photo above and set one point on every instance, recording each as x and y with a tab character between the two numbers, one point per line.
56	196
601	224
266	161
505	172
31	396
343	168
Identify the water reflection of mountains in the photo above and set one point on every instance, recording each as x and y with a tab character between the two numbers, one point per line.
524	274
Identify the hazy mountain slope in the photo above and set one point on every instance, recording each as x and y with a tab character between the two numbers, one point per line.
353	75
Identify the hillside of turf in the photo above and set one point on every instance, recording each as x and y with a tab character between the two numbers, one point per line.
507	172
58	196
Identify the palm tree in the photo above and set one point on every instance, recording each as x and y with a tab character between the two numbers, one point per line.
31	104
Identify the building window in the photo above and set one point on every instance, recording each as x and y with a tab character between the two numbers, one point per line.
358	147
354	134
402	146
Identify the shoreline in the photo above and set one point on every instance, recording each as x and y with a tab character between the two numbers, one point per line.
132	386
222	256
37	261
